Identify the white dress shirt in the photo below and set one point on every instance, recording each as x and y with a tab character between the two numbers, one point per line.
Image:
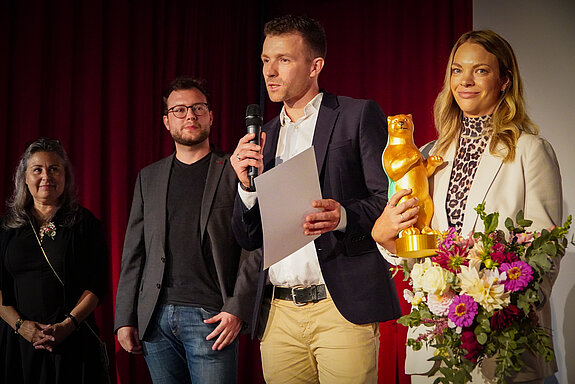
301	268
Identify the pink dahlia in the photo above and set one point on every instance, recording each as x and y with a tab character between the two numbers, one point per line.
462	310
439	304
519	274
451	259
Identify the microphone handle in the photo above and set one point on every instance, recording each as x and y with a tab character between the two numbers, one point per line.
257	129
253	171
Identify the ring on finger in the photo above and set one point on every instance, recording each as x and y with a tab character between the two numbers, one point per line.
402	219
238	156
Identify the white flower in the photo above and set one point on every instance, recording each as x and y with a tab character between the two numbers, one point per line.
439	304
474	255
413	299
435	280
485	288
418	271
407	295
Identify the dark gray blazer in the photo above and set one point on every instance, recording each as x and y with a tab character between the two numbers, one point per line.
349	140
143	257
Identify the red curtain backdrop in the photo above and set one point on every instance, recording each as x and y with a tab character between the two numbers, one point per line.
91	73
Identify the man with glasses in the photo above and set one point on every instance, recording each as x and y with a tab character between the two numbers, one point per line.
179	299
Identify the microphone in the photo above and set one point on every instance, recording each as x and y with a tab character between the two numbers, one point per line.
253	125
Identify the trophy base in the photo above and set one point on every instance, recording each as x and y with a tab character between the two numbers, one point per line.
415	246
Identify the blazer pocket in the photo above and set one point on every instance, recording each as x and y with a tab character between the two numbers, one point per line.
223	205
339	144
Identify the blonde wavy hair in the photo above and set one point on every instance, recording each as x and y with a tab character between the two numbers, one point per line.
510	118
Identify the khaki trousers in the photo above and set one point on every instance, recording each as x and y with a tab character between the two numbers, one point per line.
314	343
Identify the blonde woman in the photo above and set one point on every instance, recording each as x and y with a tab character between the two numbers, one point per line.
493	155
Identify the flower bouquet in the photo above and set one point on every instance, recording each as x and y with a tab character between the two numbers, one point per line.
478	297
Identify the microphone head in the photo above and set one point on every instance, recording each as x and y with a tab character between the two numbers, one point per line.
253	115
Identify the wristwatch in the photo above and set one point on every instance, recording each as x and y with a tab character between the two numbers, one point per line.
18	324
247	189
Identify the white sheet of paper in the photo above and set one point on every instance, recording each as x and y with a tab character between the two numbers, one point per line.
285	195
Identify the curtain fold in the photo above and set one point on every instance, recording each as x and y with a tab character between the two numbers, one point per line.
92	73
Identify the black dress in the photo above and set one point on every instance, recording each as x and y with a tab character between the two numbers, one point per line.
79	256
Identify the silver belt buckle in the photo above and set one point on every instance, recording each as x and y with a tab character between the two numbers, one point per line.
294	298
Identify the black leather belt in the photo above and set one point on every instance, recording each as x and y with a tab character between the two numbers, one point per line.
300	295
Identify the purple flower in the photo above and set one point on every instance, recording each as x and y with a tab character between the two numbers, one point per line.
519	274
447	239
462	310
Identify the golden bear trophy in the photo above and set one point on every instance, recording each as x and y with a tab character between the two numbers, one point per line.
408	169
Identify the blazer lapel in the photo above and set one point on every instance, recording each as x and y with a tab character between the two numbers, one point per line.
439	185
215	170
272	137
325	124
162	182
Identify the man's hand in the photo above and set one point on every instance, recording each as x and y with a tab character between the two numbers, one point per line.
248	154
321	222
227	329
129	340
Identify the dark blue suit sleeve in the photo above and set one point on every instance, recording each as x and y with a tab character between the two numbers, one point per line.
362	212
247	225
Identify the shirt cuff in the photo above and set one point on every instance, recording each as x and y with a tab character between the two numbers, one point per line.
393	259
342	220
248	198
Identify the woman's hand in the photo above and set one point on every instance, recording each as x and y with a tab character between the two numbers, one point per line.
31	331
52	335
395	218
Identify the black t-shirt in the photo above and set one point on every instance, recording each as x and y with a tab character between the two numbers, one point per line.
190	276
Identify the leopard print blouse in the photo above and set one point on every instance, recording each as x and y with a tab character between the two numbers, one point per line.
472	143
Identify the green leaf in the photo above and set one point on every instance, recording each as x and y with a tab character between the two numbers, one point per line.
521	221
482	338
491	222
540	261
509	224
549	249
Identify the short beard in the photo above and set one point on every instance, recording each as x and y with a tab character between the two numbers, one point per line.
192	141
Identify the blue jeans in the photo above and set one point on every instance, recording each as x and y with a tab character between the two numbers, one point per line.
177	352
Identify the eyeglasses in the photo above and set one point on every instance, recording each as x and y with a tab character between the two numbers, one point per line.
181	111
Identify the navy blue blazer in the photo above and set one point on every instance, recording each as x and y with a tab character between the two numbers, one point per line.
349	140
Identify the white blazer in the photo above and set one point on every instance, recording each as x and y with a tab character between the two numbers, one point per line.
531	183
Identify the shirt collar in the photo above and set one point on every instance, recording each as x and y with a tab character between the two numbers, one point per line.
309	109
